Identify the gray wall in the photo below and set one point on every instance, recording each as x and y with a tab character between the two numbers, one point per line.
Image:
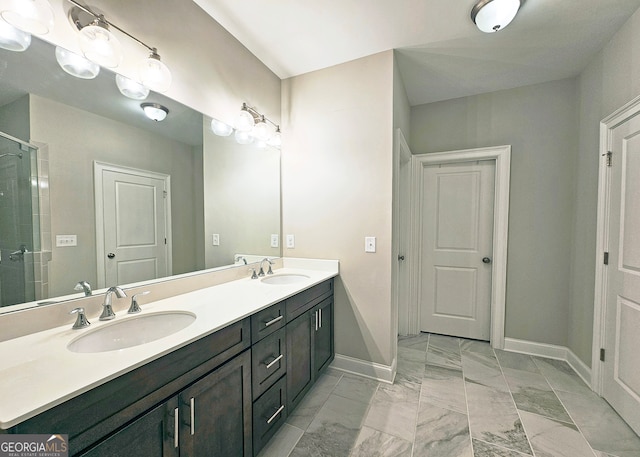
540	122
75	139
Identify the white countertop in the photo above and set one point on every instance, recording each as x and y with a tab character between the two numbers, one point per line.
38	372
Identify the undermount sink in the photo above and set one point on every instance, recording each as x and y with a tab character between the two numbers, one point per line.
285	279
131	332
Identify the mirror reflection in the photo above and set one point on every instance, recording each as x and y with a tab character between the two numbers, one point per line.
92	190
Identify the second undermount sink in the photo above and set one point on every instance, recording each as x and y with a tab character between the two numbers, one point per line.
131	332
285	279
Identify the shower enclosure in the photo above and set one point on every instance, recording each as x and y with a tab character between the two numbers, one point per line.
19	220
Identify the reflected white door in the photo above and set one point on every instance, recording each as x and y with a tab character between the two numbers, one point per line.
134	219
621	386
456	249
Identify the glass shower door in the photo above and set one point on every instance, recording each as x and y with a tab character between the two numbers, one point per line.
18	212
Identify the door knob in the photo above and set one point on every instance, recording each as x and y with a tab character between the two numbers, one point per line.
486	260
400	257
111	255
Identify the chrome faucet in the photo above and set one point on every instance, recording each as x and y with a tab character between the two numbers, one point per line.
270	272
85	286
253	273
107	311
135	308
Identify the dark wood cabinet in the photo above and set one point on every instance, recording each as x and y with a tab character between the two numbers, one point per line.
323	336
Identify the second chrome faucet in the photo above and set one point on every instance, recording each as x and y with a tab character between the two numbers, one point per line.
107	310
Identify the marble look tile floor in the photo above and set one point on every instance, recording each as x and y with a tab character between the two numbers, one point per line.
455	398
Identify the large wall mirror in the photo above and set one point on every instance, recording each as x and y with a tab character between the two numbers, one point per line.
74	207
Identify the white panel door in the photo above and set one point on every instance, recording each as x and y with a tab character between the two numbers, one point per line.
621	386
135	227
457	243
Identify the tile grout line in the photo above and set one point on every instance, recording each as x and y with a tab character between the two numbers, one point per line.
466	397
415	428
533	452
553	389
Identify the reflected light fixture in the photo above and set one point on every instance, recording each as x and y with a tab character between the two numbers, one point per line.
13	39
76	65
493	15
220	128
31	16
243	137
155	111
153	73
130	88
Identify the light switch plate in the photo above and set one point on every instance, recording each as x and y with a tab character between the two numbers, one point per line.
63	241
369	244
216	239
291	242
275	242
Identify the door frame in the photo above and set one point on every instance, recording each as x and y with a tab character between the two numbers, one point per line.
607	125
502	157
98	169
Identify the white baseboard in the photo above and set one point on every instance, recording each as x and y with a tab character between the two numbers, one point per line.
550	351
365	368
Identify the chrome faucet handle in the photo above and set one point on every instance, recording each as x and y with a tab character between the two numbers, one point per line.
107	310
81	320
135	308
254	275
85	286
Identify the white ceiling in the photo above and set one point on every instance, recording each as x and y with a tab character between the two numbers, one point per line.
441	54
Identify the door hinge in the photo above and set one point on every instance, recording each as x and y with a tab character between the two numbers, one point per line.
606	258
165	241
164	193
609	156
602	354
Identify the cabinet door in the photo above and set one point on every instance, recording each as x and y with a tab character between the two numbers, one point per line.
323	336
299	371
153	434
215	412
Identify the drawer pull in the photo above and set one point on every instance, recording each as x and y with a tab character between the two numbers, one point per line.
275	414
273	321
274	361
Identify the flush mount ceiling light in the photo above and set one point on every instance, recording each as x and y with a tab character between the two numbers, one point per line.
76	65
13	39
155	111
31	16
493	15
130	88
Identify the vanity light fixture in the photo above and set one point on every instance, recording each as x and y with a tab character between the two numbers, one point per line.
13	39
260	130
245	121
220	128
276	139
76	65
252	125
131	89
31	16
155	111
102	46
493	15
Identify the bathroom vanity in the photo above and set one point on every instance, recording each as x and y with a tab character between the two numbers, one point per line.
222	386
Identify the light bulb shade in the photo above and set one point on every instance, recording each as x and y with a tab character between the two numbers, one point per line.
76	65
261	131
130	88
13	39
101	46
154	73
155	111
493	15
243	137
275	140
245	121
31	16
220	128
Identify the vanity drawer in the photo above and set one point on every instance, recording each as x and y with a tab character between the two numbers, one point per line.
268	361
267	321
269	413
307	299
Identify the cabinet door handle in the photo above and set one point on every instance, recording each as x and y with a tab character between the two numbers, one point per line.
176	423
192	408
273	321
275	414
316	316
320	312
274	361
